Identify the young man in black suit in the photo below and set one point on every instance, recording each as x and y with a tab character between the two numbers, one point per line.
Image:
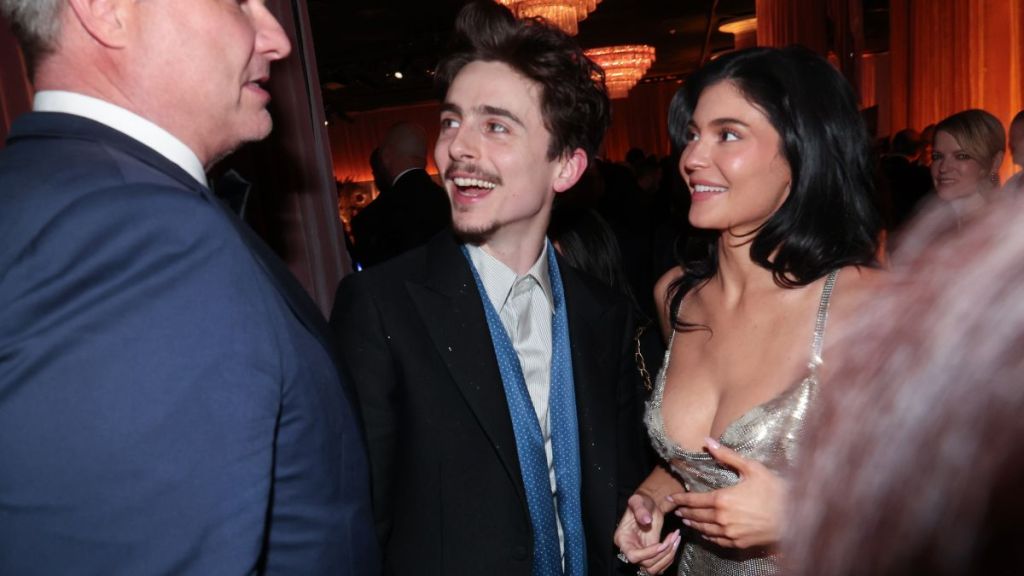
496	383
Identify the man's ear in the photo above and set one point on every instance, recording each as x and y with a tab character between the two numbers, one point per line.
104	20
570	168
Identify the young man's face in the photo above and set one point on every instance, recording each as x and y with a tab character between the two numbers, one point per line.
492	154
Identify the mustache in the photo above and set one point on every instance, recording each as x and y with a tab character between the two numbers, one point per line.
471	170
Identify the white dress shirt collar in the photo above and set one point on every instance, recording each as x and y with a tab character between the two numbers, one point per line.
498	279
124	121
403	173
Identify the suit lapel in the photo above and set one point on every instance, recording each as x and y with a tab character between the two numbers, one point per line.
595	381
452	311
58	125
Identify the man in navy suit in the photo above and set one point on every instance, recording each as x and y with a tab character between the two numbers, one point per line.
169	403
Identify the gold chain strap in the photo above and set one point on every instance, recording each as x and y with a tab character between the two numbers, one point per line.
638	358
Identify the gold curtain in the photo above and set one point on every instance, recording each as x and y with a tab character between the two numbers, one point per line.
784	22
952	55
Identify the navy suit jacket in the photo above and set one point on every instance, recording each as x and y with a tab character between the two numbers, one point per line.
169	403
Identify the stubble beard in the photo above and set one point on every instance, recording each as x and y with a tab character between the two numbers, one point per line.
475	235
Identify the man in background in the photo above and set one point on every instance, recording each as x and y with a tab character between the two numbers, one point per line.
904	178
410	209
1015	184
169	403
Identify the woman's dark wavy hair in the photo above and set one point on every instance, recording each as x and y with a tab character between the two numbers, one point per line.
574	102
828	220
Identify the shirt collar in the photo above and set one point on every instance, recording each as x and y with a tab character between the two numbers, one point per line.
498	279
403	173
124	121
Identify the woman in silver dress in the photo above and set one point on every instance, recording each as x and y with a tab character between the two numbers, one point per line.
776	158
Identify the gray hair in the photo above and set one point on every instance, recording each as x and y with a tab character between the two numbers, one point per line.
36	23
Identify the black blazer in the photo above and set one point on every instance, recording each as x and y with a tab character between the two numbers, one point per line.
406	216
447	490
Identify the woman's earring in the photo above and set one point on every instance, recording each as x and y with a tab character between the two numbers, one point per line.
994	177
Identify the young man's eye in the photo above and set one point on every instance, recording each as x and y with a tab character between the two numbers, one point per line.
497	127
448	123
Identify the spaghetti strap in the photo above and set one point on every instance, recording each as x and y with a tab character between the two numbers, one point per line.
822	318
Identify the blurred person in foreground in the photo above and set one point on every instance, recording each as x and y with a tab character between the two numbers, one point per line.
780	183
496	383
169	403
914	461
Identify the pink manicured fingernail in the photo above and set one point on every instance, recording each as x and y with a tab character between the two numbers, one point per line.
712	443
686	522
664	545
669	498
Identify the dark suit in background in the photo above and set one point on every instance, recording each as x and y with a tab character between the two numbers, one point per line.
168	399
448	492
413	210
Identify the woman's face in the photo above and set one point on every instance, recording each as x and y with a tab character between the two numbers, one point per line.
732	163
954	172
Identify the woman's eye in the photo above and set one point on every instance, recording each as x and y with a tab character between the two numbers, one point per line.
963	157
691	136
729	136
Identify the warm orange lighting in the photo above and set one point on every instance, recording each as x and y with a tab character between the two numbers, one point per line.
564	14
623	66
743	30
741	26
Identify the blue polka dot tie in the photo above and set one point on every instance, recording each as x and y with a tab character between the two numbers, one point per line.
533	466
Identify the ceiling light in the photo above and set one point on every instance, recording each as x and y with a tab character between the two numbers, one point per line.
623	66
564	14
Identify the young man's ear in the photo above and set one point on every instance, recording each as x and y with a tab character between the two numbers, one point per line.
570	170
104	20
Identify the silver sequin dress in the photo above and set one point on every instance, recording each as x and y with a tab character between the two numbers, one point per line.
767	433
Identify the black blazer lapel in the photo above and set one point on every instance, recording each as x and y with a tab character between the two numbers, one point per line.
595	378
449	303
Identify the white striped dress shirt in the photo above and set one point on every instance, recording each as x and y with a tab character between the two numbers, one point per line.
525	306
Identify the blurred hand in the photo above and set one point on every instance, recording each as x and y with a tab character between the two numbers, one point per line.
741	516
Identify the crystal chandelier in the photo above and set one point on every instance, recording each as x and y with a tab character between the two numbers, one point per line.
623	66
564	14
